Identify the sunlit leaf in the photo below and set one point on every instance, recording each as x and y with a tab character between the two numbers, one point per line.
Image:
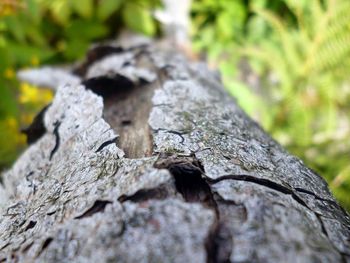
86	29
33	11
15	27
106	8
83	7
61	10
23	54
139	19
8	105
76	49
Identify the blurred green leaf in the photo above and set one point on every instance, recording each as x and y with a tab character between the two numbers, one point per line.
24	54
33	11
83	7
15	28
8	105
6	60
106	8
61	10
76	49
86	29
138	18
34	34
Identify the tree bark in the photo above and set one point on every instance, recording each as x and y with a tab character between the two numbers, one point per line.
149	160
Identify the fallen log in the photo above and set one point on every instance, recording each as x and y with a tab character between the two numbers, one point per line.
143	157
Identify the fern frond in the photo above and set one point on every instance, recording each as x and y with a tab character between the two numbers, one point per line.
330	46
289	49
270	56
332	53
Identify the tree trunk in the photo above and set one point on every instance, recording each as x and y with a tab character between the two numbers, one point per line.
151	161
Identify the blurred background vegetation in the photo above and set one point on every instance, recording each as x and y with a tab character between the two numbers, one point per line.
286	61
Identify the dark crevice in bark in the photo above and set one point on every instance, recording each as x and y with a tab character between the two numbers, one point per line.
37	128
5	246
344	258
187	172
57	136
304	191
106	143
51	213
30	225
28	176
260	181
189	181
323	228
45	245
27	247
190	184
107	86
98	206
218	243
160	193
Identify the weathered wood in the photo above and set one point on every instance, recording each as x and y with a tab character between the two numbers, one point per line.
151	161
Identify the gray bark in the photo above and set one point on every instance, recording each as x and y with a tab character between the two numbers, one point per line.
149	160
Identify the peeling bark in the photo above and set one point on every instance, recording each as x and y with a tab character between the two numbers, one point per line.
149	160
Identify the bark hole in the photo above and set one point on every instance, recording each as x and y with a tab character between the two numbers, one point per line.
190	182
187	172
127	106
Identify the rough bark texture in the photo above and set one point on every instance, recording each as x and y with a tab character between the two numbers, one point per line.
151	161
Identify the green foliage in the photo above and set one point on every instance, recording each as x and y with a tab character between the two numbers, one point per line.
218	20
298	53
34	32
138	18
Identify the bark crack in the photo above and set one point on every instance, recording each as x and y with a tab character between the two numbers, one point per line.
46	243
106	143
282	189
37	128
57	136
301	190
161	192
261	181
30	225
98	206
180	134
192	185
